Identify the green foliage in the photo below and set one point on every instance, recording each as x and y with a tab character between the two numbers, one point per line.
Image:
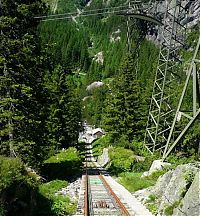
189	177
151	204
2	210
63	165
178	160
124	112
64	111
133	181
17	188
169	210
21	63
101	143
55	205
92	106
121	160
151	198
10	170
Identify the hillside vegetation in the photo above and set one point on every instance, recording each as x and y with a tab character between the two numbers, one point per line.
46	67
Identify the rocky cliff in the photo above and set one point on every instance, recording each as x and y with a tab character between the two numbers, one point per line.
177	192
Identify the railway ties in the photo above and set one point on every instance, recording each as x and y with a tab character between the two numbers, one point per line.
102	202
96	196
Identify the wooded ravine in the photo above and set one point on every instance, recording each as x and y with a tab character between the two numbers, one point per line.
57	74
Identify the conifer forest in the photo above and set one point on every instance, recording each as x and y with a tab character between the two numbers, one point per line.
65	64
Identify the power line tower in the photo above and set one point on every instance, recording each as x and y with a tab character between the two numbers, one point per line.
188	116
161	112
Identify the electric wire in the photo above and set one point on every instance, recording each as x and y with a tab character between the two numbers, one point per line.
83	15
71	13
88	11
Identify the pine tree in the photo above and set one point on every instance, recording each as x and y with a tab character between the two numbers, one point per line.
64	111
124	108
21	79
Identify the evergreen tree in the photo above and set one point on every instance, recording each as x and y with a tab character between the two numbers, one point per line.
21	80
64	111
124	112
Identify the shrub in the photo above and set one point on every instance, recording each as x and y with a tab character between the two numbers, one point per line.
121	160
52	204
64	165
11	169
17	188
152	204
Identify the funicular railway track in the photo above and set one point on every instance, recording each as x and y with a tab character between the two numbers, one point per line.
99	198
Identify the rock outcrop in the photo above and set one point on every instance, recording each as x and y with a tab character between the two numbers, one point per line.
190	204
156	165
94	85
177	190
104	158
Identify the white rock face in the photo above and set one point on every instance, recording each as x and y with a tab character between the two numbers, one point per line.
156	165
99	58
94	85
190	204
172	187
177	185
104	158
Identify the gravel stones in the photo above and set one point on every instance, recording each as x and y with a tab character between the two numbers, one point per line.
72	190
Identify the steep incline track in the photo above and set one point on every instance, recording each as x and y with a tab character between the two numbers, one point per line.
97	197
101	195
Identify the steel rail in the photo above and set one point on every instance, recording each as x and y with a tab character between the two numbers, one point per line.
86	201
87	195
120	204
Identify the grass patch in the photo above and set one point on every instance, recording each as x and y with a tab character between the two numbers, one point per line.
133	181
63	166
71	154
48	189
55	205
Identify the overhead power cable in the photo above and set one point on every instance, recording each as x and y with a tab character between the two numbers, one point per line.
83	15
88	11
76	13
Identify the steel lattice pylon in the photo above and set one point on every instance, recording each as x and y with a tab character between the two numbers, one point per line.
161	113
191	116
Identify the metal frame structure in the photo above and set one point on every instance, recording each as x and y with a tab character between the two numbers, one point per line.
173	137
161	113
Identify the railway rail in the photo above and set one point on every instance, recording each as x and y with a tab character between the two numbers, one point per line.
98	197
